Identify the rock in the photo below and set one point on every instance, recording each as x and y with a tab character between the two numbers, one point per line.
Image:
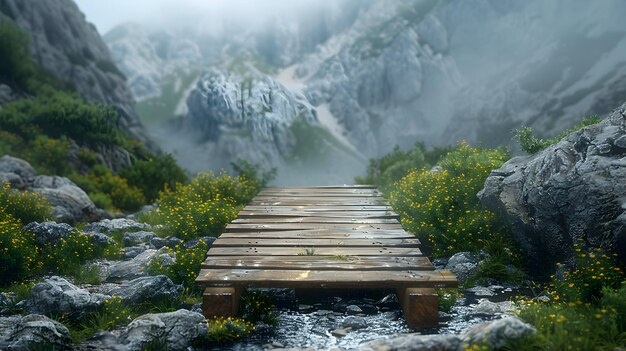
18	167
354	322
124	225
353	309
101	240
133	251
462	264
341	332
177	330
305	308
137	238
444	342
56	295
153	289
137	267
497	332
193	243
368	309
70	203
170	241
481	291
49	232
101	341
571	192
24	333
492	334
390	300
487	307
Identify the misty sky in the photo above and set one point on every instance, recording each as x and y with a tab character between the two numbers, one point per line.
106	14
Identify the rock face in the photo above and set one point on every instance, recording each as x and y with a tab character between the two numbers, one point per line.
246	117
176	329
16	171
49	232
571	192
56	295
70	48
24	333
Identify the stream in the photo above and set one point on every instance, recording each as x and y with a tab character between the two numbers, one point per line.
317	321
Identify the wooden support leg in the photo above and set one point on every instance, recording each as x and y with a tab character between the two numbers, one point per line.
420	306
220	302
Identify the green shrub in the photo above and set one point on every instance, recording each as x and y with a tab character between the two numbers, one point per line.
49	155
531	144
114	314
102	200
384	171
18	254
447	298
25	206
114	189
228	329
186	267
56	114
613	300
151	176
15	64
442	209
253	173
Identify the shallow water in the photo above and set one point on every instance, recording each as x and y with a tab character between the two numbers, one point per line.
313	326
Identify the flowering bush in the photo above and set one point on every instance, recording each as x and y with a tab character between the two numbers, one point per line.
204	206
442	209
18	255
228	329
24	206
67	254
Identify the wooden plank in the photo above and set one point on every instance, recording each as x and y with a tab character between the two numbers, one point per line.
319	234
360	263
323	279
345	227
315	209
327	214
317	242
316	251
321	201
311	220
420	307
319	194
338	186
316	198
220	302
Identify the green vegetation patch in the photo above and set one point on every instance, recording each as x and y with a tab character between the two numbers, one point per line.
531	144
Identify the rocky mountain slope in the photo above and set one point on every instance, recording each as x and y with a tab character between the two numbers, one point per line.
68	47
416	70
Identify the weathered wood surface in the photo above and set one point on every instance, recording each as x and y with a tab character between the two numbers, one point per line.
322	237
295	278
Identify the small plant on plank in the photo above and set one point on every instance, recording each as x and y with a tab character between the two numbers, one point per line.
307	252
340	257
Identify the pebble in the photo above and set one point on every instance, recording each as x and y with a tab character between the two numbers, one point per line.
341	332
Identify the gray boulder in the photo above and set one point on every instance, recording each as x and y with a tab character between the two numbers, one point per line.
24	333
56	295
492	334
137	267
486	307
70	203
497	332
463	265
49	232
176	329
170	241
152	289
138	238
573	191
354	322
19	167
107	226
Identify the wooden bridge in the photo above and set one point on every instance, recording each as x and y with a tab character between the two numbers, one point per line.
332	237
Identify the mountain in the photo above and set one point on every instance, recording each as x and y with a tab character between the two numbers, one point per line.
65	45
380	73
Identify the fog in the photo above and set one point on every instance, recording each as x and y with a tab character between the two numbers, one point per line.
230	79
